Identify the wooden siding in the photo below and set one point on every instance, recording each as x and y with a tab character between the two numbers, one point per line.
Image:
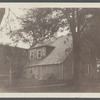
55	70
35	51
14	59
68	69
41	72
64	70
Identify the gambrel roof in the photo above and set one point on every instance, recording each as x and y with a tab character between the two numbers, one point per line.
62	47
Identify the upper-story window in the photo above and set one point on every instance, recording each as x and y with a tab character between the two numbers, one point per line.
39	54
32	55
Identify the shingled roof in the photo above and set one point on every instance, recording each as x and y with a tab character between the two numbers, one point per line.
63	46
44	43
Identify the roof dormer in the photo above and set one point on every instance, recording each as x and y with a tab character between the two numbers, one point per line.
40	51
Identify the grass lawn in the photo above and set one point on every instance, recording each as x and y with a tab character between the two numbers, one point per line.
27	86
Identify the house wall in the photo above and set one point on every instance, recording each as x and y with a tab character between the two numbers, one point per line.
55	70
64	70
35	52
88	68
88	71
12	58
43	72
68	68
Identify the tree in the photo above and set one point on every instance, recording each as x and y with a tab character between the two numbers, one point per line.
79	22
2	12
39	24
42	23
95	37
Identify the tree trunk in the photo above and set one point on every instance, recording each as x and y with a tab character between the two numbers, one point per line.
76	50
75	29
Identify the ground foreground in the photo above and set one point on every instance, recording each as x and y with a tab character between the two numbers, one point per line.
92	86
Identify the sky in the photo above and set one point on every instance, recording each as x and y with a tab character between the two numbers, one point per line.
4	38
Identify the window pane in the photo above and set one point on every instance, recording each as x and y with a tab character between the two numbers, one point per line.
32	55
39	54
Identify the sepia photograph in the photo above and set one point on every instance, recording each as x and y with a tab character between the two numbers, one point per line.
49	49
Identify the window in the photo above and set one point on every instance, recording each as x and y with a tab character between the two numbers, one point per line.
88	68
43	52
31	55
39	54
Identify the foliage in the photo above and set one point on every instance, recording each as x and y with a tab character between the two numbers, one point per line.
39	24
43	23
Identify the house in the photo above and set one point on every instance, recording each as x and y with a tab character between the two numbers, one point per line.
88	63
54	57
51	58
12	60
